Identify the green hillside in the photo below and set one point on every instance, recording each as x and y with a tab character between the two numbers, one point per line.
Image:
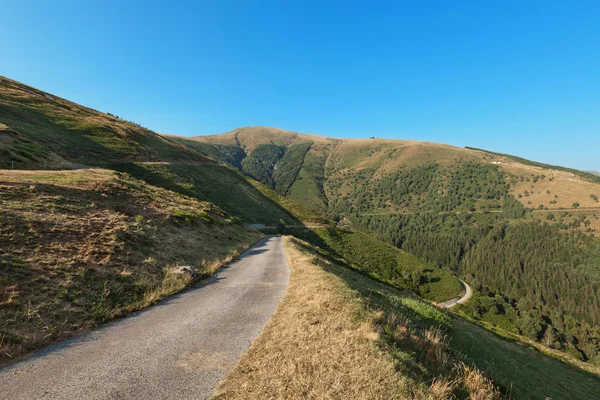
515	366
479	214
42	131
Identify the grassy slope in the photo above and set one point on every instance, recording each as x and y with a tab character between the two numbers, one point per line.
75	133
338	334
297	210
215	183
80	247
588	175
389	264
231	155
39	130
521	371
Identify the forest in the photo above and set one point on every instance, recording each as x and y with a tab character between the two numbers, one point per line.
531	278
469	186
274	166
387	263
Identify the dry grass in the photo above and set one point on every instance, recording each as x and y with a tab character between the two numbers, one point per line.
316	346
80	247
327	341
568	187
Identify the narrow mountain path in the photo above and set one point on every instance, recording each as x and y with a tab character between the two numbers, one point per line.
179	349
459	300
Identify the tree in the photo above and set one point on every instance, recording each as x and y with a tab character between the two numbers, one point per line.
576	205
530	326
549	336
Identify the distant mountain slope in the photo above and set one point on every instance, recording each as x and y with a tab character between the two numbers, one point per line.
343	176
522	233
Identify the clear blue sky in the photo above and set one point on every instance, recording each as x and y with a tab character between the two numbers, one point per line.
521	77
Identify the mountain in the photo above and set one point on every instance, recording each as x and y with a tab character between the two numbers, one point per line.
594	173
524	234
321	172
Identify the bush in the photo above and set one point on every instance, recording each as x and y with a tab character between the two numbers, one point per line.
188	217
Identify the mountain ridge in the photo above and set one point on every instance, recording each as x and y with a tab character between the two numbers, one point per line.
329	158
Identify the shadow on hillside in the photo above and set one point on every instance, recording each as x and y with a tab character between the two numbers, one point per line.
214	183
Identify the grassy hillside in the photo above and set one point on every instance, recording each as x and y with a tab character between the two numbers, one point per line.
461	209
214	183
39	127
381	342
42	131
225	154
589	175
389	264
80	247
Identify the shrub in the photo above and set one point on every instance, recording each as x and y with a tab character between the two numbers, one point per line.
203	215
576	205
187	217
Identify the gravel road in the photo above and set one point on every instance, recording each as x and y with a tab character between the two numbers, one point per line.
178	349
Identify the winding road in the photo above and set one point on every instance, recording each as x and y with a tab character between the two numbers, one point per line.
179	349
459	300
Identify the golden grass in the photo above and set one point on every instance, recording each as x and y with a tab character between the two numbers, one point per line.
316	346
568	187
326	342
80	247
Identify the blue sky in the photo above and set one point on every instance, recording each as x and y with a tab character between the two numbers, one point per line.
521	77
